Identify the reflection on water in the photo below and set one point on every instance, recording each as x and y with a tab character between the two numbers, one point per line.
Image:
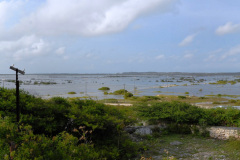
193	84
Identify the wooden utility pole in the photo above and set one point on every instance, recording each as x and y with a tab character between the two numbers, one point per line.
18	110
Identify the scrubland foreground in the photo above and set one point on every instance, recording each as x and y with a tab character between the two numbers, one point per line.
60	128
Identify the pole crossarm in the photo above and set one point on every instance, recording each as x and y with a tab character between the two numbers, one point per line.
17	70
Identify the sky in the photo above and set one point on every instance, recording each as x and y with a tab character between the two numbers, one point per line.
115	36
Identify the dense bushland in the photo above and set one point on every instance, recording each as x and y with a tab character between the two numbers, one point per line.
184	113
62	129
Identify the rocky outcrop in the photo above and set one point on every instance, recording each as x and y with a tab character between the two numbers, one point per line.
224	132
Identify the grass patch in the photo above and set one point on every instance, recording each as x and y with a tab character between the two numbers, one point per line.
192	146
110	100
232	146
223	95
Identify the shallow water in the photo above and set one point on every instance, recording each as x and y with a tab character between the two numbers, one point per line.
144	84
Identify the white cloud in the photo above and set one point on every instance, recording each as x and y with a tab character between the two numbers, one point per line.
213	55
60	51
161	56
232	52
90	56
3	12
9	10
65	57
186	41
188	56
84	17
228	28
25	47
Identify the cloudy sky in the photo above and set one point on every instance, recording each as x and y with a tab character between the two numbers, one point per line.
112	36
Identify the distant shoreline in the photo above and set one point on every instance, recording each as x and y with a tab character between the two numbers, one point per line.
142	73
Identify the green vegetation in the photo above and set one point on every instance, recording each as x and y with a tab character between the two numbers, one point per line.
184	113
145	98
47	83
223	82
63	129
60	128
34	83
128	94
224	95
112	100
202	98
12	81
72	92
120	92
104	88
182	97
157	92
105	93
191	147
44	83
123	92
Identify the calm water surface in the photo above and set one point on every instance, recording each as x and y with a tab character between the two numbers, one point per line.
197	84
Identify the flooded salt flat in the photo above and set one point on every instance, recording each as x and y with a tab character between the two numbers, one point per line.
148	84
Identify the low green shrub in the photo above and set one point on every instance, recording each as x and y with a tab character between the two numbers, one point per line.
120	92
182	97
104	88
127	95
202	98
72	93
53	129
232	101
171	111
183	113
156	132
105	93
178	128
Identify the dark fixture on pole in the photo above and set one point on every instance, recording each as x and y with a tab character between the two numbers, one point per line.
17	90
